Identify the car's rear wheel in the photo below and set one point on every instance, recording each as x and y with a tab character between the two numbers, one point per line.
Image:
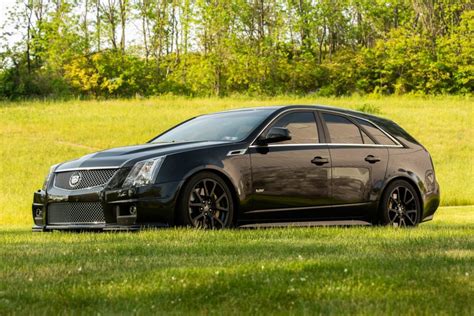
206	203
400	205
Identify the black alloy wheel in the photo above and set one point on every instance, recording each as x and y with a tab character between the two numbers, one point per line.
207	203
401	205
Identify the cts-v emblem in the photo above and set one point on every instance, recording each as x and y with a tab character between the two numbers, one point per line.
75	179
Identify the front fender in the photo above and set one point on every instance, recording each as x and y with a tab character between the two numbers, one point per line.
235	169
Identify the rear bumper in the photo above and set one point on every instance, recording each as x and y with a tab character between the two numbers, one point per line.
120	209
431	202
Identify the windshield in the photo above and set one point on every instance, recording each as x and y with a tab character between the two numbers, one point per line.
230	126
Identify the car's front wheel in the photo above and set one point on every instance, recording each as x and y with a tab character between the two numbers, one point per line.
206	203
400	205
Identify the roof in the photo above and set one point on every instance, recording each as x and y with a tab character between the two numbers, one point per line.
305	106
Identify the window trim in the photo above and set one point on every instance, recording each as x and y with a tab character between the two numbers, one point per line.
319	130
376	127
318	114
350	117
351	120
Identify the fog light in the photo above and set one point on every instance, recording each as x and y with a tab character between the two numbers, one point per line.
133	210
38	212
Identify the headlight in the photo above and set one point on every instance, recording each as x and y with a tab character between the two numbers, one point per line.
49	176
144	172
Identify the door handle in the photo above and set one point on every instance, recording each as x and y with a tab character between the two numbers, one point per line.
372	159
319	161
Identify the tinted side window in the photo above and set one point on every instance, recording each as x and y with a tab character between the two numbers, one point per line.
376	133
341	130
302	127
366	138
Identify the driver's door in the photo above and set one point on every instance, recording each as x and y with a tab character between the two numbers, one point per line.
291	177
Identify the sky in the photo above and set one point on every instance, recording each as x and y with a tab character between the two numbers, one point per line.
133	32
4	6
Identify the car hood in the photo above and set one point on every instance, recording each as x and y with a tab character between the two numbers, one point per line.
129	155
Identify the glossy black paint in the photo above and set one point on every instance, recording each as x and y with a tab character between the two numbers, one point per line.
270	183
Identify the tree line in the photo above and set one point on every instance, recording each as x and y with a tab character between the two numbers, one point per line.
123	48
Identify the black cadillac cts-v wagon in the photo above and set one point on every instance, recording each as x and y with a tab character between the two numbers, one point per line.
259	166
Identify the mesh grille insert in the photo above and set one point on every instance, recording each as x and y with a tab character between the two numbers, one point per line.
76	213
81	179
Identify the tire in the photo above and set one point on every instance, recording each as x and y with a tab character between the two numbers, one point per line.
400	205
206	202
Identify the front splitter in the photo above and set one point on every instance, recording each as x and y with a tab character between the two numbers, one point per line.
97	227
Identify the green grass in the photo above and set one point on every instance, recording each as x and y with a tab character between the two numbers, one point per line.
35	135
360	270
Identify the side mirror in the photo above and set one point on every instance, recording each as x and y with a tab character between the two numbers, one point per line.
275	135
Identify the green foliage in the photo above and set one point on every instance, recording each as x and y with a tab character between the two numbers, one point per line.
109	73
219	48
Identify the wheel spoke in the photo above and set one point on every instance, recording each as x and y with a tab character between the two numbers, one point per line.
201	215
198	220
392	210
413	216
393	219
393	199
219	221
220	198
402	208
411	220
206	191
213	189
222	209
209	205
402	221
197	194
405	195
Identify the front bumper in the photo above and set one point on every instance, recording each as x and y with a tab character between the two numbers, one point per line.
114	209
94	227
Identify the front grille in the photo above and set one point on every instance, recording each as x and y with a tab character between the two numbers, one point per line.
81	179
76	213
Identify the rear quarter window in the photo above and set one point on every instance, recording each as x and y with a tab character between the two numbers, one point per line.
341	130
376	133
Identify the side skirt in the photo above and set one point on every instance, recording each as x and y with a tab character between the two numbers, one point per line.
343	223
337	206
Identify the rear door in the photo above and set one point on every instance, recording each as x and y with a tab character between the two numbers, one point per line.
359	163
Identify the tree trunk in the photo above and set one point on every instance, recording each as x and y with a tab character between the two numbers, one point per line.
97	23
123	6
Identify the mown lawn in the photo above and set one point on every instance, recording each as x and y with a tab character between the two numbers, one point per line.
35	135
362	270
358	270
